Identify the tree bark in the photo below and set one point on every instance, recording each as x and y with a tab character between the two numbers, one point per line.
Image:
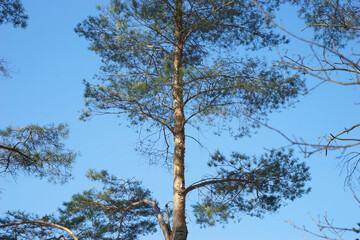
179	231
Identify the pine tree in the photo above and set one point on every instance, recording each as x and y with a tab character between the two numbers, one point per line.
168	64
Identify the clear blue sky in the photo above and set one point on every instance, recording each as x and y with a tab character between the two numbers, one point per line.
49	62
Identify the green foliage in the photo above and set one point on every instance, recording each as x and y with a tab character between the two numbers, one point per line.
335	22
116	211
251	185
13	11
36	150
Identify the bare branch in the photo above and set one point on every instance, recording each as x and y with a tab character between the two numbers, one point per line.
342	139
326	229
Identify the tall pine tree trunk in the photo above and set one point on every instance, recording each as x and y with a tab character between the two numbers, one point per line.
179	224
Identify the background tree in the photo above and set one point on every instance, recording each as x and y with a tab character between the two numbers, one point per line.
336	26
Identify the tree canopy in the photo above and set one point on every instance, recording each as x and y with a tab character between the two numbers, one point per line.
136	43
